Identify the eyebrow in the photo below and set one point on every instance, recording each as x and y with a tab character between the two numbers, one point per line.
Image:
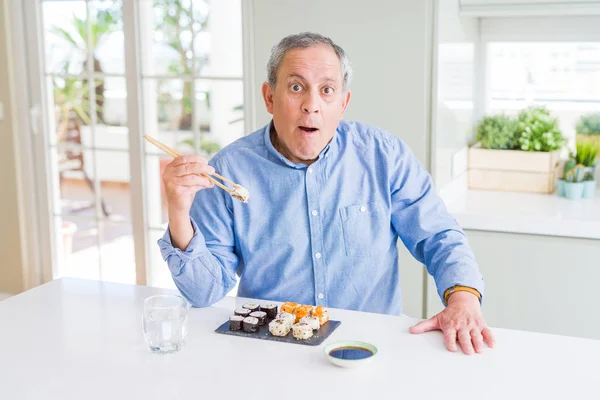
327	79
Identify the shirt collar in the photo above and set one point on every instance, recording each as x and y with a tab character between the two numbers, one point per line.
331	147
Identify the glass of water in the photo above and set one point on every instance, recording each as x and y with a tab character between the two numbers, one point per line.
165	323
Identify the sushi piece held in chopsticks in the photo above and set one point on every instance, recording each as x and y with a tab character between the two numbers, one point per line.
250	324
261	316
279	327
235	322
240	193
302	331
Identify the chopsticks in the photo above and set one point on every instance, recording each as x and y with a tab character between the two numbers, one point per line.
173	153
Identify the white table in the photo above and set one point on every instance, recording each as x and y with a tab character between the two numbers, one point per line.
76	339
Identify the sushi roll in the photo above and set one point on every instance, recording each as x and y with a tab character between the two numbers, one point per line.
251	306
289	318
235	322
242	312
322	313
261	316
250	324
288	307
302	311
279	327
270	309
302	331
313	322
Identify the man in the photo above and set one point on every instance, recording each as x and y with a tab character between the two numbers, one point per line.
328	200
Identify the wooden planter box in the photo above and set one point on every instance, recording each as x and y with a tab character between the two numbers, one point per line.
513	170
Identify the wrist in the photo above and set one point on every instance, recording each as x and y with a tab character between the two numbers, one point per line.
463	292
461	297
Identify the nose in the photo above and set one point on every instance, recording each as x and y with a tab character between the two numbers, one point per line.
310	105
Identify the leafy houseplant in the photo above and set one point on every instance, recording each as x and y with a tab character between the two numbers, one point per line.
497	132
537	130
516	154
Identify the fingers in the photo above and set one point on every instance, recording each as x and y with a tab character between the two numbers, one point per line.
191	169
450	339
425	326
188	159
488	337
192	181
464	338
477	340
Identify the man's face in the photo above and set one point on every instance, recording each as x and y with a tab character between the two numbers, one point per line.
308	102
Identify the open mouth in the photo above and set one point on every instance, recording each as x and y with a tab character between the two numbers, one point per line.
308	129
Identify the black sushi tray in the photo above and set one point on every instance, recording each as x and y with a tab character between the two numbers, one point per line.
263	333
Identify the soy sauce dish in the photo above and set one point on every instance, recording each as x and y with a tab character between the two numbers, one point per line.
350	354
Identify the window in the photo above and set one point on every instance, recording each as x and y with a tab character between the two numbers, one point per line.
191	82
563	76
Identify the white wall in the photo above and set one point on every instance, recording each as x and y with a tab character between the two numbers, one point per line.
389	45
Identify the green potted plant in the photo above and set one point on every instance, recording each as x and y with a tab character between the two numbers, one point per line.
574	182
516	154
497	132
537	130
587	153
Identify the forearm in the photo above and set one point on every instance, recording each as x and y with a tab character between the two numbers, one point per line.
450	261
180	228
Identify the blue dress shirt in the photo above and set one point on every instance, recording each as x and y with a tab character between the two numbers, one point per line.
324	234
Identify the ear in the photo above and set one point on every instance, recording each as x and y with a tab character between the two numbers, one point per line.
267	94
345	101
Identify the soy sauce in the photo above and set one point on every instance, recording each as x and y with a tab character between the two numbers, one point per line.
351	353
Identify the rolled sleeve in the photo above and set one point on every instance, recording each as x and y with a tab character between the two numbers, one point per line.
195	248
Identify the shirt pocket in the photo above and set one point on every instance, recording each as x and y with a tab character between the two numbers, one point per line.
364	228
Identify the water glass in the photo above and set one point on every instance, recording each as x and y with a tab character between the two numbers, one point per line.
165	323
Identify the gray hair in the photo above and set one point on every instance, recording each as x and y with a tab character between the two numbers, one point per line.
302	41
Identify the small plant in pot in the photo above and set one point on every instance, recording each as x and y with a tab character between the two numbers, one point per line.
573	182
587	153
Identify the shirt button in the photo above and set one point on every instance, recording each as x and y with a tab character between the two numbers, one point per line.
321	296
363	209
315	212
318	255
310	170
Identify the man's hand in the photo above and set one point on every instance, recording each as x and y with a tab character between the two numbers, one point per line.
462	320
183	177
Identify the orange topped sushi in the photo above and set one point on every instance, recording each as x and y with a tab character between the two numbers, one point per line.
289	307
303	311
322	313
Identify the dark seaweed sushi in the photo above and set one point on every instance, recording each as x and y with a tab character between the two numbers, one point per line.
244	312
235	322
270	309
250	324
251	306
261	315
